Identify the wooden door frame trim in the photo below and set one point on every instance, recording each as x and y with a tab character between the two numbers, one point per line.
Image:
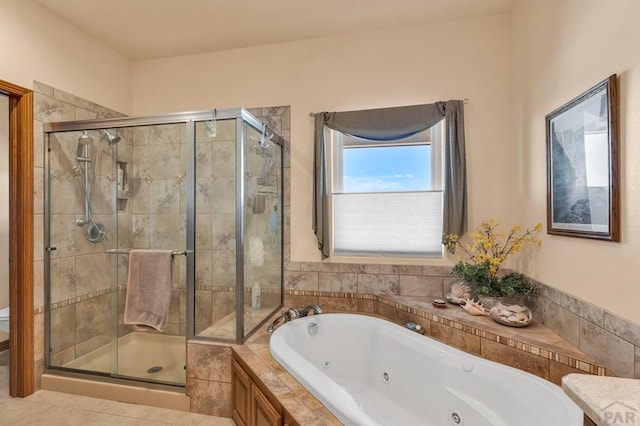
21	332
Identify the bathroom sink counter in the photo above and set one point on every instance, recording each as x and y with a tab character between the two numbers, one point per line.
535	348
605	398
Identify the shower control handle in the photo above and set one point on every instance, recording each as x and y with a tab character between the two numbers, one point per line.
50	249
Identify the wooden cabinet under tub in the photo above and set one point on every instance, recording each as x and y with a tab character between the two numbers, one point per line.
241	385
251	406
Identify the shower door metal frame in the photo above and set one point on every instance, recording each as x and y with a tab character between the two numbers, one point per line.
240	167
241	116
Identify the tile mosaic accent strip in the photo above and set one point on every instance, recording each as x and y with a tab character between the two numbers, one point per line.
79	299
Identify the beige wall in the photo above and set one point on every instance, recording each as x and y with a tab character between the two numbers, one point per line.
513	71
37	45
455	60
561	49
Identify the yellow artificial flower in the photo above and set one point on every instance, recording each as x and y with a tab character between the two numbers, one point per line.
492	248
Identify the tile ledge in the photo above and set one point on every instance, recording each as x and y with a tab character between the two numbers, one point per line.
536	339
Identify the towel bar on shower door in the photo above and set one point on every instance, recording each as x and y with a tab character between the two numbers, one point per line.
127	251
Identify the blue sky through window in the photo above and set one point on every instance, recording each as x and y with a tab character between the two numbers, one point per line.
387	169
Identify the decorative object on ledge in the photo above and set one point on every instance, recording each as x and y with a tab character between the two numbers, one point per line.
522	297
582	165
486	253
439	303
460	291
415	327
474	308
511	315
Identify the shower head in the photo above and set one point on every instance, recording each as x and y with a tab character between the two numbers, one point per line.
85	139
82	154
110	137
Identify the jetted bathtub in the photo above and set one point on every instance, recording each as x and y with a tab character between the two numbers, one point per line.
368	371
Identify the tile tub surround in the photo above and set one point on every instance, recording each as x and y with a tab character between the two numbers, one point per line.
535	349
611	341
255	358
209	378
605	400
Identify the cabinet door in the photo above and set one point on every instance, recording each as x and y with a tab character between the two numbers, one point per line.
262	412
241	388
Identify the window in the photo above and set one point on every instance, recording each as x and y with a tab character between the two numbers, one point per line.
387	196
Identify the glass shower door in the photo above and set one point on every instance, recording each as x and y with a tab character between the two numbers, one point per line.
81	228
234	292
216	233
110	191
262	226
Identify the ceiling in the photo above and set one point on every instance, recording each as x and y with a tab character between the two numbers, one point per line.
149	29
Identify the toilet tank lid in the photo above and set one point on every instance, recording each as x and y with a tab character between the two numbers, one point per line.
4	313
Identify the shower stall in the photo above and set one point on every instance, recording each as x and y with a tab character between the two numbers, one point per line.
206	186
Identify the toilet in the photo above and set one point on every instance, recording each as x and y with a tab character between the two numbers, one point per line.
4	320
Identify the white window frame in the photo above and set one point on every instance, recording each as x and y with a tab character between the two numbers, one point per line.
335	159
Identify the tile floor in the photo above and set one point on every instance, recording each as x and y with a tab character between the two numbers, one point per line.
56	408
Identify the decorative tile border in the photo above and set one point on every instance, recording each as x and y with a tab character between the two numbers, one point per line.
215	288
79	299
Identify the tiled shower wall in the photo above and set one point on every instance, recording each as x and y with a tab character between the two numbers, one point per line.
153	213
155	210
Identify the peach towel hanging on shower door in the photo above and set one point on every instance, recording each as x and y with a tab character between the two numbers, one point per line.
148	288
